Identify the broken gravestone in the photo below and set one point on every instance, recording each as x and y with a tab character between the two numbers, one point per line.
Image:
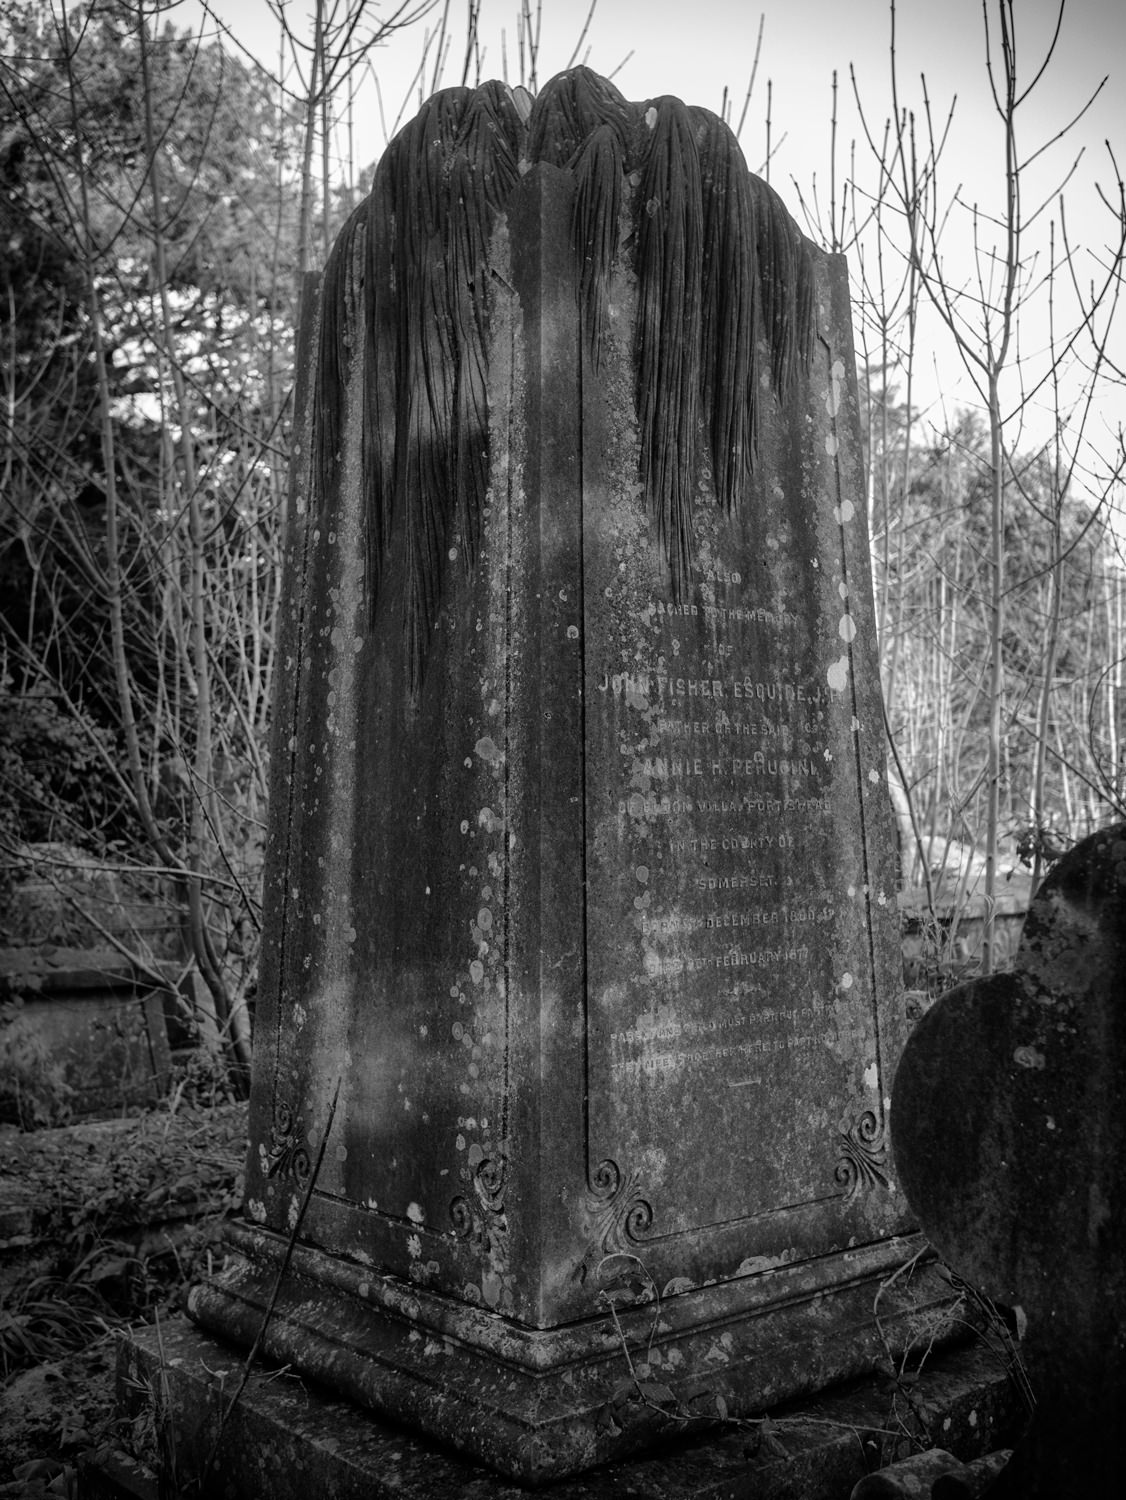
1009	1120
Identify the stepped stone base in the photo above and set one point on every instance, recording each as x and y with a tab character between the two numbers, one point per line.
285	1439
540	1404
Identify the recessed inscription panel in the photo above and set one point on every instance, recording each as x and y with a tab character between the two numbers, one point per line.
731	963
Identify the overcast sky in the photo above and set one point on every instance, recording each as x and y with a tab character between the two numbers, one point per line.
696	48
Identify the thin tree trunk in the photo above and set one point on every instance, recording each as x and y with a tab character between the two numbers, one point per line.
205	826
996	669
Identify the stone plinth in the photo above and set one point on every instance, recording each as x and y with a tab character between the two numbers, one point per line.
581	896
284	1439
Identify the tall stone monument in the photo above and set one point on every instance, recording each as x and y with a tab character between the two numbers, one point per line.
581	984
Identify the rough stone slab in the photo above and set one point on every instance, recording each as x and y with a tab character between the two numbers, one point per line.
286	1439
97	1018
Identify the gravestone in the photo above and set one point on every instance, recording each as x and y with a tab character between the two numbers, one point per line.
1009	1121
580	989
81	1033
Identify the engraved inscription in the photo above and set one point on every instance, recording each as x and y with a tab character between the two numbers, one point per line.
714	758
734	689
737	915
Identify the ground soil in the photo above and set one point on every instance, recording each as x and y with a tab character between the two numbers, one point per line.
123	1215
52	1414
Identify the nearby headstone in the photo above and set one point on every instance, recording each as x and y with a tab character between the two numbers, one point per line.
581	965
81	1034
1009	1122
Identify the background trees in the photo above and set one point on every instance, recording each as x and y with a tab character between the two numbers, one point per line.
159	199
1000	644
1060	771
147	309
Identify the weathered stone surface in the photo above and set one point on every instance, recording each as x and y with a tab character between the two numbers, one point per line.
281	1433
910	1479
1010	1139
974	1479
581	895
